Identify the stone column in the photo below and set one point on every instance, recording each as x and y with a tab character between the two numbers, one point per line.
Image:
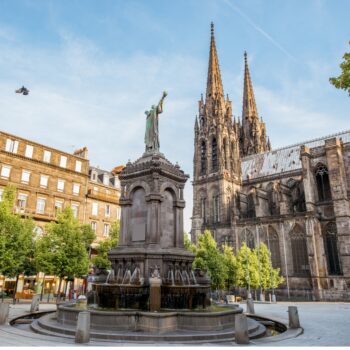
308	178
155	294
4	313
337	179
241	329
82	334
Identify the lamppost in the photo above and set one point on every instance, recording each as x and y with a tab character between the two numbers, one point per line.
258	240
249	295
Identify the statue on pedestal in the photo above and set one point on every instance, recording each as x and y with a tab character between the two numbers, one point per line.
152	131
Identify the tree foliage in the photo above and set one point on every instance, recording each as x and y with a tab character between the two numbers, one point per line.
62	250
101	259
189	245
343	80
231	265
16	238
209	257
270	277
247	268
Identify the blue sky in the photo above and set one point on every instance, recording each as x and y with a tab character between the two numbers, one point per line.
94	67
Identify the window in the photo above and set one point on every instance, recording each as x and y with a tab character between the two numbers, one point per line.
76	189
118	213
214	155
106	230
225	153
108	210
5	171
60	185
40	205
78	166
11	146
93	176
25	176
29	151
105	179
203	158
94	208
248	238
58	206
63	161
47	156
22	201
274	247
299	251
94	225
216	208
250	206
75	209
331	247
203	209
44	181
322	182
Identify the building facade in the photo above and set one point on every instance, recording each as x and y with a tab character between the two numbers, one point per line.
48	180
295	199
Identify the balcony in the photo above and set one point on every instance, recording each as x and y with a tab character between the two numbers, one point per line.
103	196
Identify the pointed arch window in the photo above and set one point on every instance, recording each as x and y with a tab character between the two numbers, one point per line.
331	248
248	238
203	209
203	158
322	182
214	154
250	206
225	153
274	247
216	208
299	252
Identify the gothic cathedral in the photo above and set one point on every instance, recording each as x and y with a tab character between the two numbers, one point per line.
295	199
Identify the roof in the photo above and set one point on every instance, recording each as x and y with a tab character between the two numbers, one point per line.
282	160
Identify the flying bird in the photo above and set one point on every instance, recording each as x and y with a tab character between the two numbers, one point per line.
23	90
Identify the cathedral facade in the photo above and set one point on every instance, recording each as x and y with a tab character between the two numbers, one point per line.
295	199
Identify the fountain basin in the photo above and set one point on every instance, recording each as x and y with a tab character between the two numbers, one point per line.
134	325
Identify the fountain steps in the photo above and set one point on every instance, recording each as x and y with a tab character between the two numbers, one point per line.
48	325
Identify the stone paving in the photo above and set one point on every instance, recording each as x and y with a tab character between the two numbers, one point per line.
324	324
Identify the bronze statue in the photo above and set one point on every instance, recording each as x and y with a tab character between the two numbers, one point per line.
152	131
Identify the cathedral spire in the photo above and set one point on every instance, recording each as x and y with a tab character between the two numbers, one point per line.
249	105
253	132
214	83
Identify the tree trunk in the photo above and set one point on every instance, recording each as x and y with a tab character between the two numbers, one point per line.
15	290
65	290
42	289
58	299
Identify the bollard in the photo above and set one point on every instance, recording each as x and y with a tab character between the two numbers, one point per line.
293	317
241	329
34	306
82	334
4	313
250	306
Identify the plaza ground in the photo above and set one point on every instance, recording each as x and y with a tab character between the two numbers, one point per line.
324	324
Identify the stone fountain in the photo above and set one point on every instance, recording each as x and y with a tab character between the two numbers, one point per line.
152	292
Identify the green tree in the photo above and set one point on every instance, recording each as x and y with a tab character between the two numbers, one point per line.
269	277
231	264
16	239
101	259
209	257
247	268
62	250
343	80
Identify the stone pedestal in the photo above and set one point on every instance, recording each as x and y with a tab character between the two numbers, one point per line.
241	329
4	313
82	334
155	294
293	317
